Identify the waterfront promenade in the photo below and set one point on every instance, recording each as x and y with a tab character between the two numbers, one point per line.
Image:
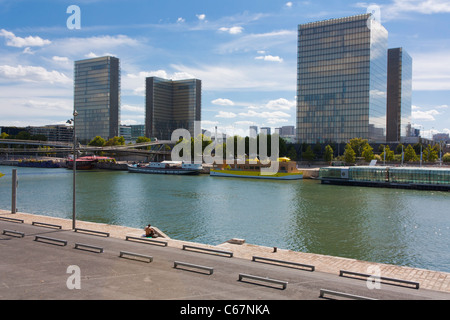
326	266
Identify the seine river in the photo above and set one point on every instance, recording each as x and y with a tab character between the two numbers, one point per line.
395	226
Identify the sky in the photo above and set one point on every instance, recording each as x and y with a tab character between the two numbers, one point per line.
244	52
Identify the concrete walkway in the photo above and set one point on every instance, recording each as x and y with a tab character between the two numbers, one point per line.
428	279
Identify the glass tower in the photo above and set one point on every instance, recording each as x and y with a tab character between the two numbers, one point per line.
399	95
97	98
341	80
171	105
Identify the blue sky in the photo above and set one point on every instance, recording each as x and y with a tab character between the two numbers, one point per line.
243	51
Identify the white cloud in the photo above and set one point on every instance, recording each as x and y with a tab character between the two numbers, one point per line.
232	30
201	16
281	104
417	114
60	59
269	58
265	114
181	20
400	8
224	114
429	73
19	42
223	102
289	4
33	74
261	41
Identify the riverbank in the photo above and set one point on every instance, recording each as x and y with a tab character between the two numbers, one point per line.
428	279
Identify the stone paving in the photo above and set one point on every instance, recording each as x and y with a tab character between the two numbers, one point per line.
428	279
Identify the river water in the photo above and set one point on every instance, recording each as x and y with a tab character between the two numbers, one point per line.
395	226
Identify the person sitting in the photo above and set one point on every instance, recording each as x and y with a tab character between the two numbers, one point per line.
149	232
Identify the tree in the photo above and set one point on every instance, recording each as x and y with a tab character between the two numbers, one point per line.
328	154
430	154
4	135
349	154
410	154
446	157
292	153
309	154
367	153
97	142
115	141
358	145
389	154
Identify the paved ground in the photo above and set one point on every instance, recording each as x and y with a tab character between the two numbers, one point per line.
36	268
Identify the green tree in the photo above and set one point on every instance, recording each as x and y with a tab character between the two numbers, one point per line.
115	141
389	154
328	154
358	145
430	154
367	153
4	135
349	154
446	157
309	154
97	142
410	154
292	153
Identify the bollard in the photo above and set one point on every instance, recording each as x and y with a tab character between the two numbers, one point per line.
14	191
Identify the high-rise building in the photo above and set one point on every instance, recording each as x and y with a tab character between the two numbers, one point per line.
399	95
97	98
341	80
171	105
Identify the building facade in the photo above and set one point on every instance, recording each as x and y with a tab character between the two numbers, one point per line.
399	95
97	98
341	80
171	105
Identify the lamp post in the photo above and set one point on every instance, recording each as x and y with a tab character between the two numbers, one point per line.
74	166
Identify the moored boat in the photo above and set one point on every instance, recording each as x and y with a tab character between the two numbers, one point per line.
286	170
167	167
86	163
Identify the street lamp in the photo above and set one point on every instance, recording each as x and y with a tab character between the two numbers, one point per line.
74	166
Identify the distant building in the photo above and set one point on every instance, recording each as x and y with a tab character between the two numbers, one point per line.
444	137
137	130
61	133
253	131
171	105
266	130
97	98
125	132
341	80
399	95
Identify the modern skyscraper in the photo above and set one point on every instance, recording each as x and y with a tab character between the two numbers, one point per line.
171	105
97	98
399	94
341	80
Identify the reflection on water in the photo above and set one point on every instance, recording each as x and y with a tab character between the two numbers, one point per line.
403	227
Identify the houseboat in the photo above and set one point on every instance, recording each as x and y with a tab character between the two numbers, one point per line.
285	170
167	167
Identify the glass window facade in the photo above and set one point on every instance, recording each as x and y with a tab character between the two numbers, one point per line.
97	98
341	80
399	95
171	105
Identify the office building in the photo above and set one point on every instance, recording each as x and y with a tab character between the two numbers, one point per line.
171	105
266	130
97	98
399	95
341	80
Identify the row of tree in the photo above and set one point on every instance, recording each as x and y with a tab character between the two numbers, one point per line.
355	149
